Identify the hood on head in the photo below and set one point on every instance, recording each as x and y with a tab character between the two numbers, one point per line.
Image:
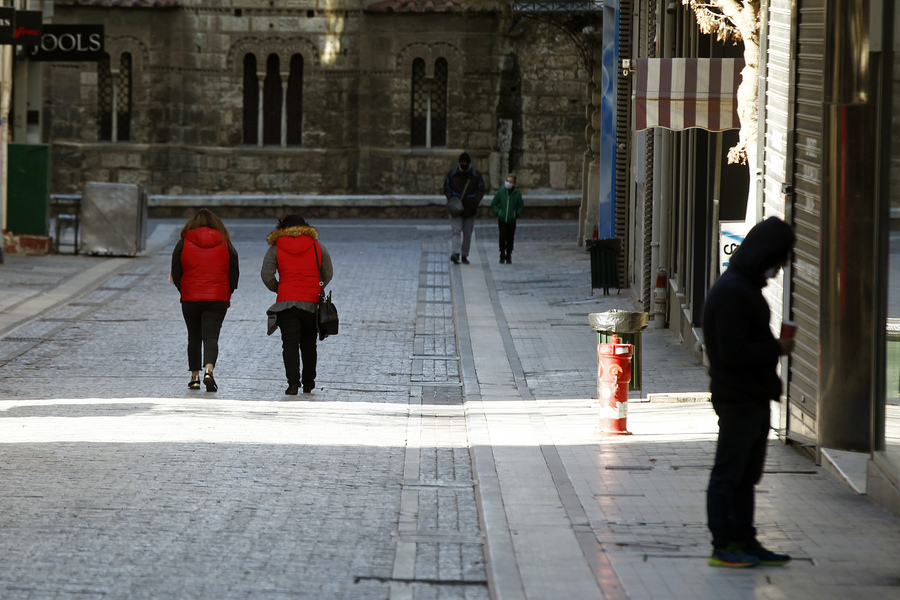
298	231
767	244
204	237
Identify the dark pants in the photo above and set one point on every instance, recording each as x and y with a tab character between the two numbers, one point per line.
204	322
298	340
740	457
507	234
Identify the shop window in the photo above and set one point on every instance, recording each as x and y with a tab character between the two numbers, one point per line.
428	123
114	98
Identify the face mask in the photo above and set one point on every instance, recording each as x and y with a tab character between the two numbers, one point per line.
464	166
770	273
508	185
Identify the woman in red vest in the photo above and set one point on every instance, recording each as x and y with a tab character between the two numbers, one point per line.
205	270
303	269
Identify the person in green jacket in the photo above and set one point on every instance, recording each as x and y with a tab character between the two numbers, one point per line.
508	205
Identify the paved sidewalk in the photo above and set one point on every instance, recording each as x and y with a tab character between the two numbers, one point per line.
449	450
571	514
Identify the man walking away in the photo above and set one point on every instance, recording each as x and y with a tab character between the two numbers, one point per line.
463	182
743	360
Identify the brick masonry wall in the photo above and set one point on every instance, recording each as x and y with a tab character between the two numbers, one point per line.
187	100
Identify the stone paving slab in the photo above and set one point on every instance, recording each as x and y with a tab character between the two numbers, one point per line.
449	451
119	482
636	504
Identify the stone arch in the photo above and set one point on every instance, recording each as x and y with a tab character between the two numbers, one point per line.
430	53
140	54
285	48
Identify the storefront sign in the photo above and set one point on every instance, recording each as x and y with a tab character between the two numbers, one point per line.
69	43
7	24
27	28
731	236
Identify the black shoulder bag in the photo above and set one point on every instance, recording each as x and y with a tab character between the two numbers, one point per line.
327	314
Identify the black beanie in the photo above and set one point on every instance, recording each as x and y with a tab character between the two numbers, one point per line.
464	158
292	220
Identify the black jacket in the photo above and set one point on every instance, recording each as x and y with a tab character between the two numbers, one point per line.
455	183
743	353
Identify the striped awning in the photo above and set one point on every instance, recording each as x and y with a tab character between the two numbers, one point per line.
682	93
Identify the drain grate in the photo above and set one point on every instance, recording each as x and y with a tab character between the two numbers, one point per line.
439	582
21	339
627	468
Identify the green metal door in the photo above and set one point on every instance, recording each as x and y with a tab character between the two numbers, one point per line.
28	203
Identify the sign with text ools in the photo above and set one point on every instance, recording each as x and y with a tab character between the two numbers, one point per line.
83	43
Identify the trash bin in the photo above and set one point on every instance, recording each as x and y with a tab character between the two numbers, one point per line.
113	219
627	326
604	264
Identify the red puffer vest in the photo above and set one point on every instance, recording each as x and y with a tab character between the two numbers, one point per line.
298	273
204	263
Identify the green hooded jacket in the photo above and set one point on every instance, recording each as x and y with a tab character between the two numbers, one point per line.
508	205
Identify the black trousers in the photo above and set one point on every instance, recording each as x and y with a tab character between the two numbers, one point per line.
507	235
204	322
298	341
738	467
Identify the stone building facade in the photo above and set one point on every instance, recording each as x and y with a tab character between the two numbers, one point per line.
314	97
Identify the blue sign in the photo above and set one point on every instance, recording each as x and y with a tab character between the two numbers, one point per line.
610	69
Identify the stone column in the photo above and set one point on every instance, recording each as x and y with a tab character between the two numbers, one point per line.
284	87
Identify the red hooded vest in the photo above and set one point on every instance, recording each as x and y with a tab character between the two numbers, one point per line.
204	263
298	273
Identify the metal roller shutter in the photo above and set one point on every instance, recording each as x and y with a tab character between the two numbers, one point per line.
806	216
778	137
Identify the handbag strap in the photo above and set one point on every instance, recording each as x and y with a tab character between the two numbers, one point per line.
319	269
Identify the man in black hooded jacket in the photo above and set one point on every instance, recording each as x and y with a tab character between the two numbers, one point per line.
466	183
743	358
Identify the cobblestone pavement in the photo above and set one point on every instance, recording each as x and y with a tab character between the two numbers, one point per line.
119	482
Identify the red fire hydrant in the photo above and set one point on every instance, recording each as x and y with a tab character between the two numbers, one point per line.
613	375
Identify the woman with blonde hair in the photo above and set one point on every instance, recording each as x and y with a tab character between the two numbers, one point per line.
205	270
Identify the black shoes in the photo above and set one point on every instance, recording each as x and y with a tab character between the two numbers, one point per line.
505	258
465	260
194	384
209	382
454	258
294	388
502	258
509	259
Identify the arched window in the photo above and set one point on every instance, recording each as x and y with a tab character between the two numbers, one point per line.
104	99
273	115
419	122
428	123
123	99
272	103
114	94
295	102
251	100
439	103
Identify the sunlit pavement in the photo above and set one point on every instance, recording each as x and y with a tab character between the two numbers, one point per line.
450	449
